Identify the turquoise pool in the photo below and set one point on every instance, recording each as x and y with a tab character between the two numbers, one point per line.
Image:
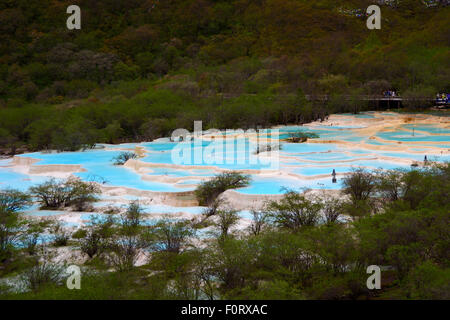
308	159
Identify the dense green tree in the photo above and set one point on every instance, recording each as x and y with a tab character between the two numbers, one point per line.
128	239
12	225
209	190
54	194
294	211
173	236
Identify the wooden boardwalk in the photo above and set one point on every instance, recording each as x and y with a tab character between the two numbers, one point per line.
369	98
375	100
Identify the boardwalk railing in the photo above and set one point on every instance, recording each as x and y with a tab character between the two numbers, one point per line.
326	97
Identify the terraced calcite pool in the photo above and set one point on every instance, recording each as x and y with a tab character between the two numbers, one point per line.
370	140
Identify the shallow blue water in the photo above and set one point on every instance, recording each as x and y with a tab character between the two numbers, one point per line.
42	239
16	180
312	171
416	157
233	155
408	136
69	224
99	167
246	214
348	167
191	181
429	128
307	147
90	216
269	185
180	173
376	142
44	213
79	157
326	156
378	164
171	209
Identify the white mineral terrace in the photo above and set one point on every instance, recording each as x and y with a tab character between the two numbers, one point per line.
164	186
